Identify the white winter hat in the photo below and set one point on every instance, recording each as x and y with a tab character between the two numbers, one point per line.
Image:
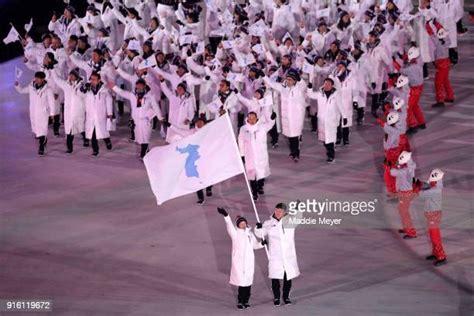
404	157
392	118
413	53
402	81
398	103
442	34
436	175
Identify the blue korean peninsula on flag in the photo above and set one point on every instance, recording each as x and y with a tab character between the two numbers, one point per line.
204	158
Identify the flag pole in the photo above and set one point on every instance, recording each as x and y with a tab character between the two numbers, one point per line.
245	173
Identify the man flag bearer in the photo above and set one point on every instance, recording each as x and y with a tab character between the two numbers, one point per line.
41	107
282	261
243	260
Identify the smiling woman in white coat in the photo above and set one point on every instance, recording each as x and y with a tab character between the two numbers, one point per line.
98	110
282	261
41	107
243	260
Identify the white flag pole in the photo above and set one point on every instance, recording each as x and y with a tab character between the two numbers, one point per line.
245	173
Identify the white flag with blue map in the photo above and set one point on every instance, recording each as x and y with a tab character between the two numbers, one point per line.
204	158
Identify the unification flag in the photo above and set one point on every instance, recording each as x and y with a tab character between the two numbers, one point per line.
204	158
12	36
148	63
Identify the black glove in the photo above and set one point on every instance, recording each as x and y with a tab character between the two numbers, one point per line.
355	105
258	225
166	123
179	22
273	116
189	53
413	44
310	85
344	121
264	242
373	85
243	159
207	77
221	211
235	91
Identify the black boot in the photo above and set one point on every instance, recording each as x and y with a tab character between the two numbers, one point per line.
42	145
85	140
108	143
438	105
440	262
360	116
131	124
69	141
56	124
143	151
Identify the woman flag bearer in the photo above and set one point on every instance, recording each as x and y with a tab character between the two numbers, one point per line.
98	110
41	107
253	149
243	259
431	192
404	173
144	109
282	261
74	109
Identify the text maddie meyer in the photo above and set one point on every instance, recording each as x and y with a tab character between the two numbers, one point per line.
320	207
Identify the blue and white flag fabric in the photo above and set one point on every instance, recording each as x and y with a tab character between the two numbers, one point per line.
207	157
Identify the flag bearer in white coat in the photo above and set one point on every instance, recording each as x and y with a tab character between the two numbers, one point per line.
144	109
432	193
41	107
293	108
74	108
243	260
254	151
98	111
330	113
282	261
